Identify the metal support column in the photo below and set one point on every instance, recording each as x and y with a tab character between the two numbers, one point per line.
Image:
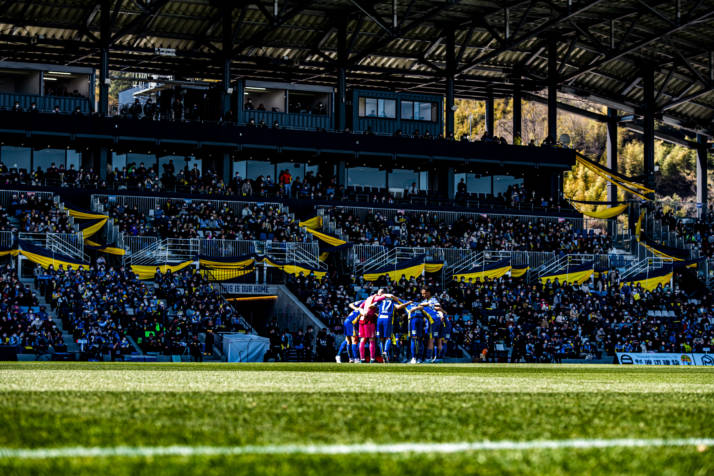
104	39
450	72
648	125
489	114
611	150
227	50
553	90
702	156
341	100
517	120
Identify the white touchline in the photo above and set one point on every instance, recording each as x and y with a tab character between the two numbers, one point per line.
147	451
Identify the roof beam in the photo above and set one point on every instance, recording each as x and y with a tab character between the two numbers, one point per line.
640	44
517	40
140	22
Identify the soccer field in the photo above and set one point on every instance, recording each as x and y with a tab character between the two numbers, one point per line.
101	418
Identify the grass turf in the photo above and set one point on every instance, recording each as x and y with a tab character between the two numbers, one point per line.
107	405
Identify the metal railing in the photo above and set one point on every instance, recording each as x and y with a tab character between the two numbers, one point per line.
7	239
6	196
69	244
148	204
650	264
151	250
449	217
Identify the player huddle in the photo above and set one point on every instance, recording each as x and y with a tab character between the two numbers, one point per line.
373	322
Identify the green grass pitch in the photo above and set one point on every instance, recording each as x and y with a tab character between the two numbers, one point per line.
308	406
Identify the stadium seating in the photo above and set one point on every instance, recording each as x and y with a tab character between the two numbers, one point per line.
539	322
33	213
102	307
24	324
473	231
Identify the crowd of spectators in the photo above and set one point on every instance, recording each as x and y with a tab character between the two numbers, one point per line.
194	305
24	324
102	306
696	232
537	322
475	231
179	218
299	345
312	186
28	212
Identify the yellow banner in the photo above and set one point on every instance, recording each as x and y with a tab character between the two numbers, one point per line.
607	213
650	284
578	277
148	271
519	272
93	229
224	274
206	263
85	215
490	274
294	269
314	223
330	240
45	261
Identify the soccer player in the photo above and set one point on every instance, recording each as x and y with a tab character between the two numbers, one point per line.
432	309
416	329
350	341
443	344
385	323
369	311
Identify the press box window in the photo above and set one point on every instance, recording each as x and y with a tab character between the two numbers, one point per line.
419	111
372	107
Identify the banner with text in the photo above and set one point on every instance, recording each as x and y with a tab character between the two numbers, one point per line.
654	358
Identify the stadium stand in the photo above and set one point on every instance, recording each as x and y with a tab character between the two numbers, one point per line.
33	213
179	218
473	231
538	322
25	324
104	308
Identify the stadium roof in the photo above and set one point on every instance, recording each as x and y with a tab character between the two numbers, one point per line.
395	44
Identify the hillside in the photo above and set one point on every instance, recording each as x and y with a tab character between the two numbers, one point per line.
677	165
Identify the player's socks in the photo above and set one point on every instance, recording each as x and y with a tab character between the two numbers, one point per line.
372	350
414	349
388	347
429	354
381	347
355	351
342	348
361	350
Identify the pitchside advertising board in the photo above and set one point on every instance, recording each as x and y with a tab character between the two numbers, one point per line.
633	358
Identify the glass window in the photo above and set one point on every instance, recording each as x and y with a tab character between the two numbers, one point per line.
387	108
407	110
74	158
240	167
44	158
372	107
16	157
118	161
256	168
403	179
366	177
422	111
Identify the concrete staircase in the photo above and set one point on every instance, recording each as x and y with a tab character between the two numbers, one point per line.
66	336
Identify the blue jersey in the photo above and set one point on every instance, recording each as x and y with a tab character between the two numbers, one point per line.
386	309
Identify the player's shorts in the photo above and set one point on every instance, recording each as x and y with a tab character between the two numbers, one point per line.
435	329
349	329
367	330
416	327
384	328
